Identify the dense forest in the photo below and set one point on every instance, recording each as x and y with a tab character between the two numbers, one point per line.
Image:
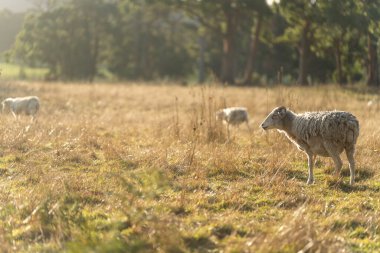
241	42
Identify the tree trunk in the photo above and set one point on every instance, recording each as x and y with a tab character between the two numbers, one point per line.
338	61
94	62
139	47
304	51
373	68
227	73
201	59
252	52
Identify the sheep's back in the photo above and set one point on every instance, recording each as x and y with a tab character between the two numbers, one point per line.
337	126
237	115
29	105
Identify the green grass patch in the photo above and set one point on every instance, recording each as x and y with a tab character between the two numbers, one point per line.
17	72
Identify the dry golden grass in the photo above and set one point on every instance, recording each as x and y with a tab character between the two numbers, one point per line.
145	168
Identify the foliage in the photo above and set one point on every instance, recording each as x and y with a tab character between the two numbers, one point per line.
303	41
67	38
150	41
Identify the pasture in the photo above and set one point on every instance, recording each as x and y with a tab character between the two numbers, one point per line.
146	168
16	72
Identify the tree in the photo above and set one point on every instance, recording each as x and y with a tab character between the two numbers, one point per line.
66	38
226	20
150	40
371	18
332	37
303	40
301	16
262	10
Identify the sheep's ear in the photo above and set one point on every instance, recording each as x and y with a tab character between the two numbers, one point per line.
282	111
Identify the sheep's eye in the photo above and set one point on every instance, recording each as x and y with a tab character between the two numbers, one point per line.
275	116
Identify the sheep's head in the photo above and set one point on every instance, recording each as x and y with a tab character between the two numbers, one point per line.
220	115
6	104
275	119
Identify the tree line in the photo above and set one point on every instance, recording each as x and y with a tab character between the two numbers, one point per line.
232	41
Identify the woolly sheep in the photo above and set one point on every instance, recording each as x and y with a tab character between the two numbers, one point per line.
27	105
318	133
233	116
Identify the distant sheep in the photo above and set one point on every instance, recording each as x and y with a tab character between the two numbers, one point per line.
22	105
318	133
233	116
373	103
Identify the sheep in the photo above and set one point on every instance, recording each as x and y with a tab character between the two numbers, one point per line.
27	105
318	133
374	103
233	116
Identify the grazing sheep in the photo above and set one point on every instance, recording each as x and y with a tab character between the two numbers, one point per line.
20	105
373	103
318	133
233	116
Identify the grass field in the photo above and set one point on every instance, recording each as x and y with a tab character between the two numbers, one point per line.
16	72
145	168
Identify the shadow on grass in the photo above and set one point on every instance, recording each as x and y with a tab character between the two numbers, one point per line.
345	187
292	202
3	171
128	165
180	210
222	231
361	174
296	174
200	244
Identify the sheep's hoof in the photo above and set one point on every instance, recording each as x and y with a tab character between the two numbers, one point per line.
310	181
351	182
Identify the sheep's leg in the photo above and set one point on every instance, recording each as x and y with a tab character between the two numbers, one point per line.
331	149
338	164
33	119
228	132
310	158
350	156
14	115
249	129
